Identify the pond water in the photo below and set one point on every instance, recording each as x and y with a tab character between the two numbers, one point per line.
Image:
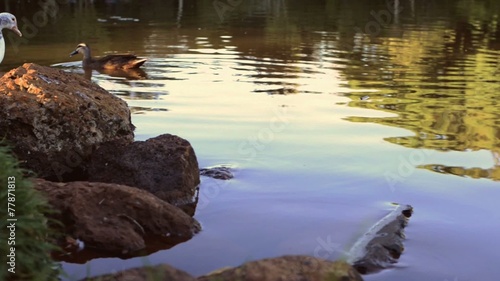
327	111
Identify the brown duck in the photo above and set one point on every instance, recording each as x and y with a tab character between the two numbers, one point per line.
115	61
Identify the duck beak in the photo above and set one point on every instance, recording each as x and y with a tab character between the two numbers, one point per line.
16	30
73	53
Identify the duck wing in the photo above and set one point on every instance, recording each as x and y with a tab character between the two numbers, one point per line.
120	61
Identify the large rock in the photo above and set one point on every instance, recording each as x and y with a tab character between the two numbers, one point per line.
287	268
148	273
114	218
165	166
54	120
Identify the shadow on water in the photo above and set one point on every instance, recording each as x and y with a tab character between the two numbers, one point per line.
129	74
153	244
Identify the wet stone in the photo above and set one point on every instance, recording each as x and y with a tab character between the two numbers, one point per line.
219	172
382	245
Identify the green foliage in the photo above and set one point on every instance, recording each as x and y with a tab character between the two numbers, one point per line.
30	235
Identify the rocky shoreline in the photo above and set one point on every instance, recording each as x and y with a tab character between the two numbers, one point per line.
112	193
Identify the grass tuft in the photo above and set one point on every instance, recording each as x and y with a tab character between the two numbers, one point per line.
28	240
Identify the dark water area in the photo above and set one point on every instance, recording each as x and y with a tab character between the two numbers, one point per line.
328	111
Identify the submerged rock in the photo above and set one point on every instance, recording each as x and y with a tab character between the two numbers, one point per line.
382	245
148	273
165	165
289	268
285	268
112	217
218	172
54	120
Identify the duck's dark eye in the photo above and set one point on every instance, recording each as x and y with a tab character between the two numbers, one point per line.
14	19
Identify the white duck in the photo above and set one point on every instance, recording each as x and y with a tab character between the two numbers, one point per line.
7	20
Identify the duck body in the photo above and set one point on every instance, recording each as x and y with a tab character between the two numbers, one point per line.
110	62
7	20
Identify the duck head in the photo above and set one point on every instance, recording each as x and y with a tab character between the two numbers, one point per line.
83	49
8	20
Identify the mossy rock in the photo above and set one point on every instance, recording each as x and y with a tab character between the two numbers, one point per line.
290	268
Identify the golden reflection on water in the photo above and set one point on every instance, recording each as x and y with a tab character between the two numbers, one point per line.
445	94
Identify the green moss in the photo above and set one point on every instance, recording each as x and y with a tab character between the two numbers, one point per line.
26	239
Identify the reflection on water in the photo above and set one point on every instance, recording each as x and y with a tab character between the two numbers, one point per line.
130	74
364	84
446	95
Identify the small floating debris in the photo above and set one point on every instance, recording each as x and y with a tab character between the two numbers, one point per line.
364	97
119	18
382	245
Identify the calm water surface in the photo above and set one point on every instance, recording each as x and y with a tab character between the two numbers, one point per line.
326	114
